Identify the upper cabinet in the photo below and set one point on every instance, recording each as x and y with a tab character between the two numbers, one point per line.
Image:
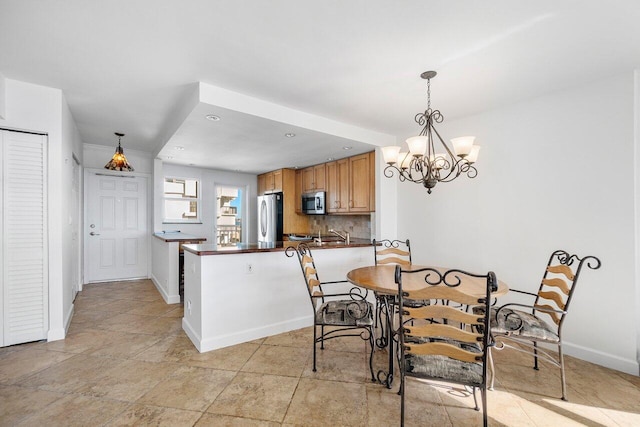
270	182
351	184
313	178
359	183
284	180
338	186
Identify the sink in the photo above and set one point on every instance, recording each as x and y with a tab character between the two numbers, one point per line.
330	243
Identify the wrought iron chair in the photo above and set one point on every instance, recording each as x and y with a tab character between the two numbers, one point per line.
453	350
553	298
344	312
397	252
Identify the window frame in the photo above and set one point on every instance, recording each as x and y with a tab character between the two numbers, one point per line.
197	200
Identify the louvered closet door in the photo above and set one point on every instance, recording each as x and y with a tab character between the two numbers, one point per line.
25	313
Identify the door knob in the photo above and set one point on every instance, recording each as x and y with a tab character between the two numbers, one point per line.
93	233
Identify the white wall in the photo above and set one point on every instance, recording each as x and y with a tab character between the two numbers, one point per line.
556	172
42	109
71	145
209	178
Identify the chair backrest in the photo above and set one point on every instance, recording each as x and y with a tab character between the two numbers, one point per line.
456	334
309	271
392	252
559	282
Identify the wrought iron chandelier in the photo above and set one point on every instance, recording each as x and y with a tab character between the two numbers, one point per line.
421	163
119	161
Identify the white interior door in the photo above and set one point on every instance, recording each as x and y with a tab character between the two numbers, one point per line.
116	229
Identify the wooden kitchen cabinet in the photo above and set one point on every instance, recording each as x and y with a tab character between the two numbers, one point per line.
337	183
313	178
299	191
284	180
359	183
350	184
270	182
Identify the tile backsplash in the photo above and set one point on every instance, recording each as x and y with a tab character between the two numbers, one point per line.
358	226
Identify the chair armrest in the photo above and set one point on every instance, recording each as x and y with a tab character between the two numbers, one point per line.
523	292
354	291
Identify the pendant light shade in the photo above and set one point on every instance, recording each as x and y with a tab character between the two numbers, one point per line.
119	162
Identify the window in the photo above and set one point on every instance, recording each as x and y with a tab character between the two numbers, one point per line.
181	200
229	217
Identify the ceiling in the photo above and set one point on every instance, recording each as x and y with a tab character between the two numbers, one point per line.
131	65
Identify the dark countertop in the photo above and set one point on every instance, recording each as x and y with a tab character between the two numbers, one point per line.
247	248
177	236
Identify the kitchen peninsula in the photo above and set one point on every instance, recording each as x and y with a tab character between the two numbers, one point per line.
250	291
167	273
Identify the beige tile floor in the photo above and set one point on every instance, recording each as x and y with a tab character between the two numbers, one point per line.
126	361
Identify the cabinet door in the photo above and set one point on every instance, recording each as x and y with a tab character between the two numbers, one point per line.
277	180
332	187
262	184
308	180
359	183
343	185
319	177
372	181
299	191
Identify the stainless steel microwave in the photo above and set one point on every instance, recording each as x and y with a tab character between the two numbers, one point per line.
313	203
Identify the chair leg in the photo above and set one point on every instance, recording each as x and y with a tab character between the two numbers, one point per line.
315	334
372	343
492	368
535	355
401	392
322	337
484	405
562	375
475	398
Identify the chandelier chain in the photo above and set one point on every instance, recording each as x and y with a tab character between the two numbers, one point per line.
428	94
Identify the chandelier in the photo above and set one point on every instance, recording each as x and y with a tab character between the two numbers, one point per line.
421	163
119	161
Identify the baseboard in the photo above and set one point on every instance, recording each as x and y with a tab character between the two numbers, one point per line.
169	299
67	319
607	360
213	343
191	333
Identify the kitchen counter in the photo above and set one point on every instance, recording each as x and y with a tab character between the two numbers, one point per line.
245	248
177	236
253	292
167	262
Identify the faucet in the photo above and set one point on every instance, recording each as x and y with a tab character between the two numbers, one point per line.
344	236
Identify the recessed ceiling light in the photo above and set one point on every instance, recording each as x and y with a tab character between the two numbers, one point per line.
212	117
177	147
289	135
347	148
330	159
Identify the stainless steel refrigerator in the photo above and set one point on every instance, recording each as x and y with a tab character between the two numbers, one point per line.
270	218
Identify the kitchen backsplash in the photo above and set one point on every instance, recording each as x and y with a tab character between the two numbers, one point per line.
358	226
